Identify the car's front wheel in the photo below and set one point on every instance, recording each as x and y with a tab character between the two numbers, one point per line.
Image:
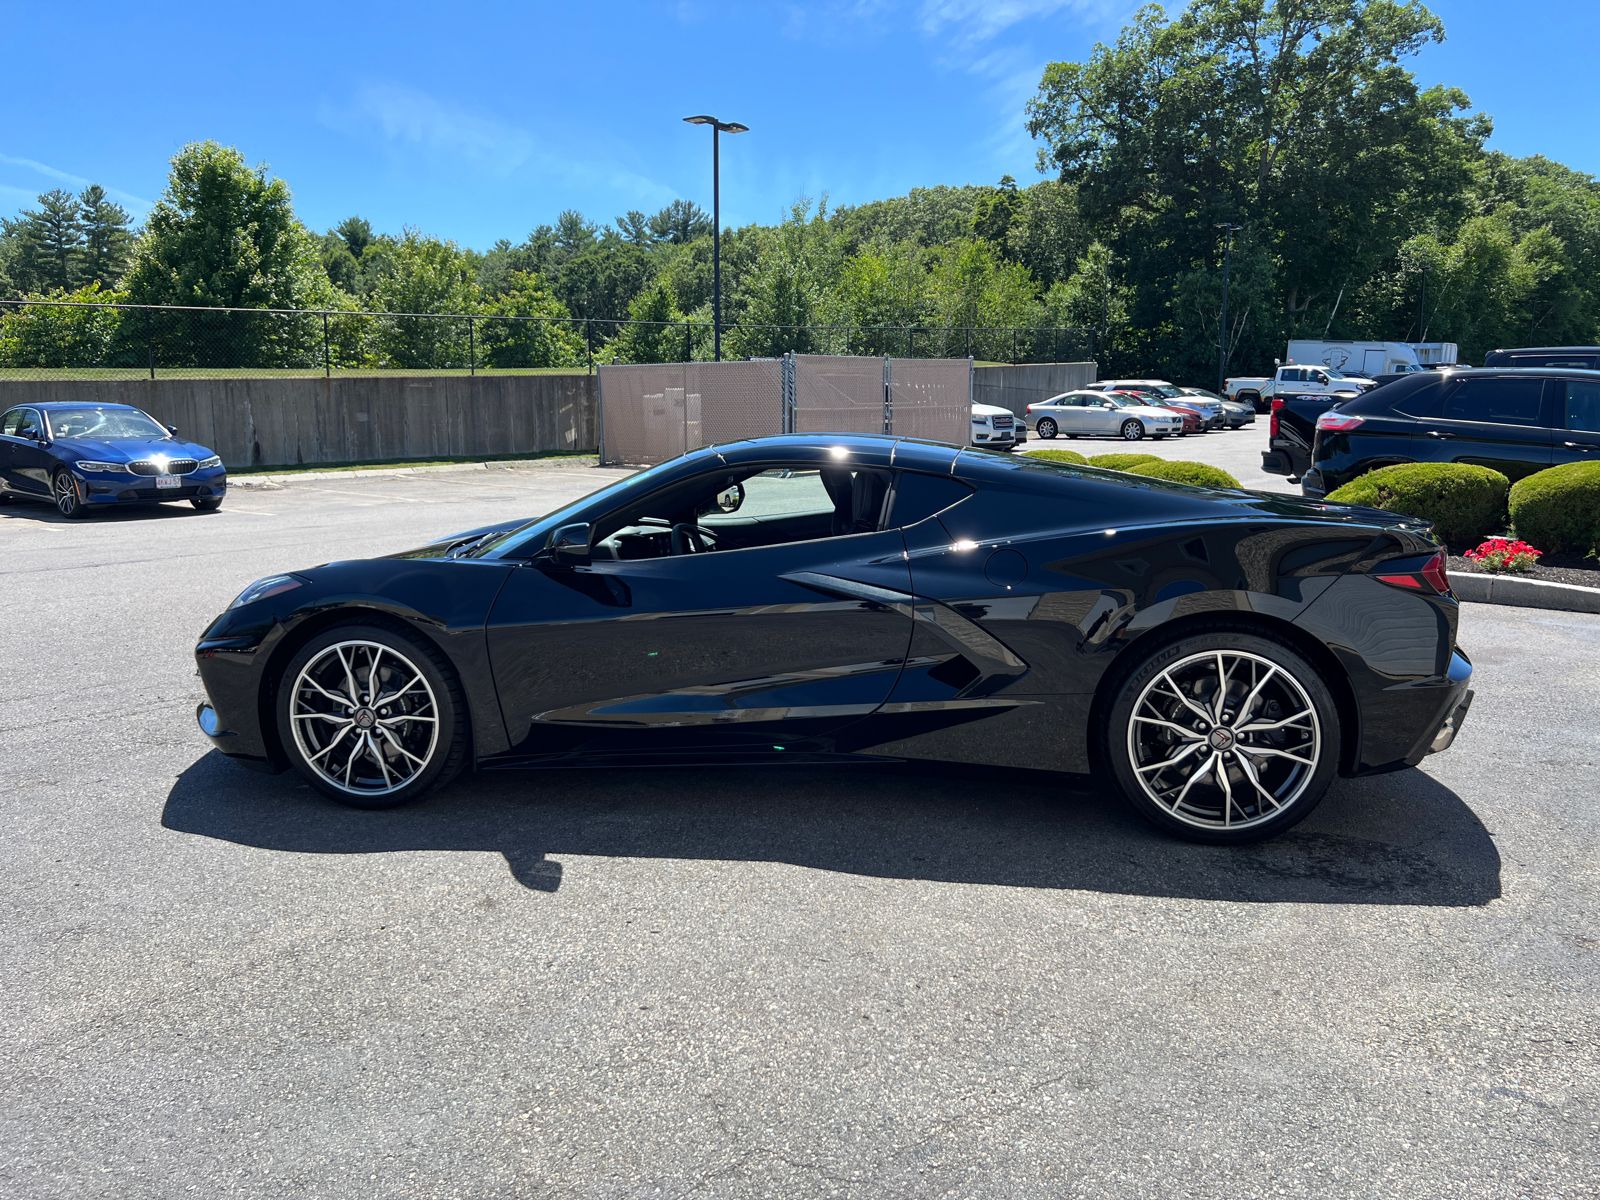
1046	428
1223	737
371	717
1132	430
69	503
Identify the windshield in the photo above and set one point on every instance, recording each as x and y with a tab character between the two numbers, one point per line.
1202	394
102	424
530	535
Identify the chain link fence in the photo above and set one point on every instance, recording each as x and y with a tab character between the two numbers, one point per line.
43	339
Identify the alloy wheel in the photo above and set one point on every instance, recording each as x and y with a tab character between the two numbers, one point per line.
66	494
1132	430
1224	739
1047	429
365	718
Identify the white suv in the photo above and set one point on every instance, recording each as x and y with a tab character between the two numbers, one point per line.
1101	414
996	427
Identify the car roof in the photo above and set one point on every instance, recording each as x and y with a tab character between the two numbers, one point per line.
53	405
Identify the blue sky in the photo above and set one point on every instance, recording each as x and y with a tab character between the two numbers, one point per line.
481	121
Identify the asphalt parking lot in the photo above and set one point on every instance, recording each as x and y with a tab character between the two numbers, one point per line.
829	982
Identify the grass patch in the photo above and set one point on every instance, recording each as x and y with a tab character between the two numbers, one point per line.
392	463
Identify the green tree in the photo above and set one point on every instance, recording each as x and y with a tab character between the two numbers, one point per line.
785	290
48	336
601	280
426	275
107	239
680	222
542	337
661	339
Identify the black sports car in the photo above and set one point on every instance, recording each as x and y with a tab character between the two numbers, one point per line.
1221	654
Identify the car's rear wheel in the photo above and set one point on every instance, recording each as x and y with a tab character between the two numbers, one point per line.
1046	428
371	717
68	501
1132	430
1223	737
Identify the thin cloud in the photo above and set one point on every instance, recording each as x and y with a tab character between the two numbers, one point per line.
63	177
412	121
979	20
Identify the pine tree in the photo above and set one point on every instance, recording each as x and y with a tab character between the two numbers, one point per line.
107	239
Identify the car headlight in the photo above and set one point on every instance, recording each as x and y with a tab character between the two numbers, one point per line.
207	463
272	585
96	468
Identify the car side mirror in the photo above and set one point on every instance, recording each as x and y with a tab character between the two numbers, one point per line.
172	429
730	499
569	544
1107	404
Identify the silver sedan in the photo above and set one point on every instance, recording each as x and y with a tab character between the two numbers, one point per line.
1101	414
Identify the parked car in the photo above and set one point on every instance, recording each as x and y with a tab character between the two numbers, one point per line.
84	457
1159	391
1566	357
1515	420
1101	414
1308	381
993	427
832	597
1235	415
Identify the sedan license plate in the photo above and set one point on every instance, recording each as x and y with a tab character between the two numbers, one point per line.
168	481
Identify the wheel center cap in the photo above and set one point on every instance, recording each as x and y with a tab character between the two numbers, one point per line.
365	718
1221	739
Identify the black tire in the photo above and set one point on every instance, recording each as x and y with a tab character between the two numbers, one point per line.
1132	430
445	754
206	505
1261	768
1046	428
68	500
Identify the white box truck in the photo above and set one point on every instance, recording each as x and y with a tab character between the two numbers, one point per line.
1354	358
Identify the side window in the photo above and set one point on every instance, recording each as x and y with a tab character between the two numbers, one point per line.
1583	406
1582	362
918	497
1505	401
774	494
10	423
28	423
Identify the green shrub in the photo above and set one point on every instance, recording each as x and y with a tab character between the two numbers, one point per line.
1559	509
1197	474
1121	462
1066	456
1465	503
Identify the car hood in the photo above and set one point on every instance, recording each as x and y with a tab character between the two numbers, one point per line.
441	547
990	410
126	450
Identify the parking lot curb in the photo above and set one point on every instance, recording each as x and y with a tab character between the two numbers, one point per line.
1524	593
249	481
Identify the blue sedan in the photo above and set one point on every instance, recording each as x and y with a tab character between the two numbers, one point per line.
84	456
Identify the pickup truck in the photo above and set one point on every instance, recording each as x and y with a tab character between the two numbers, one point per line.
1296	380
1293	429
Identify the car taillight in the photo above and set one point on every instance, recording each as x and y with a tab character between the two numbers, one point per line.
1335	422
1277	407
1430	575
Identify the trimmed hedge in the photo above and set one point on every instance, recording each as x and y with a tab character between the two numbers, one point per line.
1559	509
1178	471
1464	502
1066	456
1121	462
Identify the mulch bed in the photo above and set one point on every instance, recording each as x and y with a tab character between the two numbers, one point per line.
1552	568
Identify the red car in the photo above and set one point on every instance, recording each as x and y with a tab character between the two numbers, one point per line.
1193	421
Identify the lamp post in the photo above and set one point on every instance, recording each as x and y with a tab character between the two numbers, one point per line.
1222	336
717	129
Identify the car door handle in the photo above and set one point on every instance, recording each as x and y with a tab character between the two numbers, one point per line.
1437	434
1581	445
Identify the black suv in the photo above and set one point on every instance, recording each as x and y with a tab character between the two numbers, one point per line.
1517	421
1585	358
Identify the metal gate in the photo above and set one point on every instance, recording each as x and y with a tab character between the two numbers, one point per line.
652	412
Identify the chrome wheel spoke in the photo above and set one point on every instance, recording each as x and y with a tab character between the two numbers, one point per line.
1249	773
1269	726
1271	753
1177	693
1186	734
400	748
1174	760
337	738
348	702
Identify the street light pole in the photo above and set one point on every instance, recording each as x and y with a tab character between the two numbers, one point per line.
1222	336
717	129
